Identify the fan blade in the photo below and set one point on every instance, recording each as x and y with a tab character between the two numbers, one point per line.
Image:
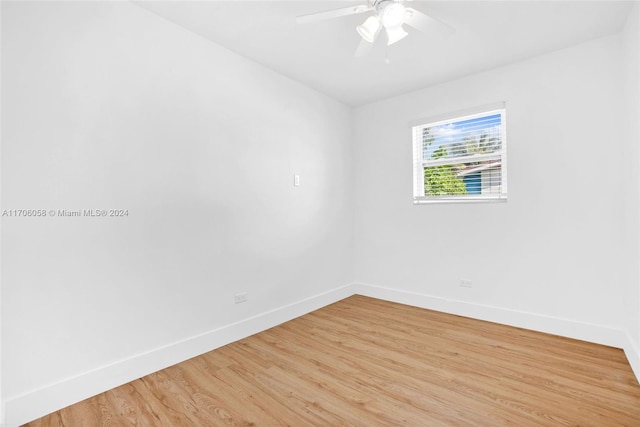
335	13
427	24
364	48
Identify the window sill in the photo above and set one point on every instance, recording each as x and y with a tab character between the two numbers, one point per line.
444	199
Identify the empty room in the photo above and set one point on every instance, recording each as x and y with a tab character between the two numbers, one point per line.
320	213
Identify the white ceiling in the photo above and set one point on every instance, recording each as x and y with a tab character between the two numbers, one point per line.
321	54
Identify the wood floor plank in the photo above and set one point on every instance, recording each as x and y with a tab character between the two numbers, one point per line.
368	362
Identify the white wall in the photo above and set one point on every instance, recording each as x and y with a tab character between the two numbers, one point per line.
551	257
106	105
1	386
631	87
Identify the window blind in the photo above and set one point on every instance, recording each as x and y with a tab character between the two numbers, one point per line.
461	159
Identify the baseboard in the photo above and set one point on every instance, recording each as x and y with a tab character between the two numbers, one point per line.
37	403
553	325
632	351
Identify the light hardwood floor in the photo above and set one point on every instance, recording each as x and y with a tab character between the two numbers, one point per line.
366	362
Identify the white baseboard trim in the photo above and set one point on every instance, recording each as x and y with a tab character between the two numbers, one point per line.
632	351
42	401
553	325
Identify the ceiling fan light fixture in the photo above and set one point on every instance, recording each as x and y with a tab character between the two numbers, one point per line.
395	35
393	14
369	29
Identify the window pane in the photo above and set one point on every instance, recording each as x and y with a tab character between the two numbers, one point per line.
479	135
463	178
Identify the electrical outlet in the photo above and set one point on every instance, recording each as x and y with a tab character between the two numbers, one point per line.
466	283
296	180
241	297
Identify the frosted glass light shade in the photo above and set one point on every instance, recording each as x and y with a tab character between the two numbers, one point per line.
369	29
393	15
395	35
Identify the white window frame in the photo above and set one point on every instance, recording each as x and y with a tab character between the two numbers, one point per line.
419	163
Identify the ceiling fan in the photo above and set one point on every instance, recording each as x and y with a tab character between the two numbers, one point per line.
389	14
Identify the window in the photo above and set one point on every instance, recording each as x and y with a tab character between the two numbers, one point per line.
461	158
